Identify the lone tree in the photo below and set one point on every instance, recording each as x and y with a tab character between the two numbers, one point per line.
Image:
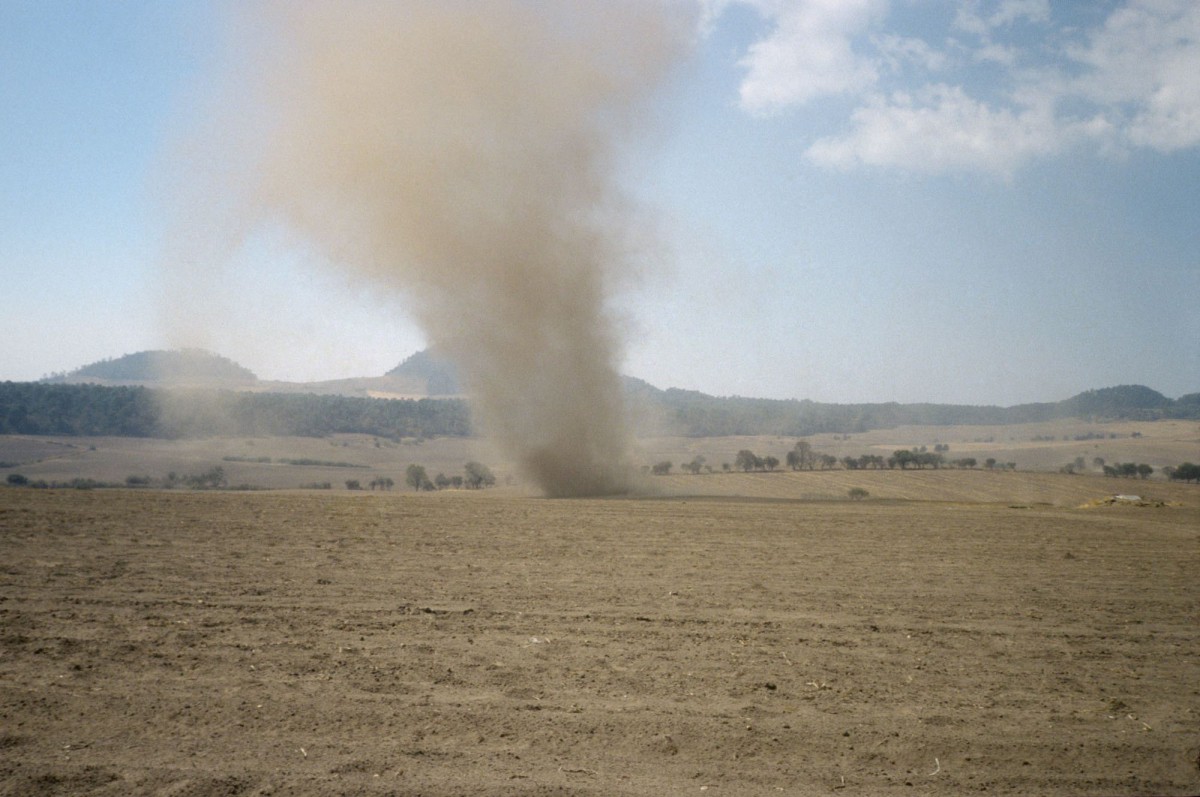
1187	472
746	460
477	475
415	476
801	456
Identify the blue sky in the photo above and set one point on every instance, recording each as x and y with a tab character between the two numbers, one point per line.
860	200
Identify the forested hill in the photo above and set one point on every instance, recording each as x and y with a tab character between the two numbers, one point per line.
697	414
86	409
172	366
83	409
440	375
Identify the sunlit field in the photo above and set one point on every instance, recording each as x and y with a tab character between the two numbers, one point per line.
330	642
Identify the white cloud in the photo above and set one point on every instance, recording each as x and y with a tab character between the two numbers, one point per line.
1131	82
996	53
939	129
808	53
1145	73
969	18
1010	11
710	12
897	52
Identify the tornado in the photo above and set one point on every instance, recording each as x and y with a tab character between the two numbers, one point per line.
465	155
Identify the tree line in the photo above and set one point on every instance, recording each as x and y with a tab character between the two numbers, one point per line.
88	409
694	414
803	457
210	479
475	476
39	408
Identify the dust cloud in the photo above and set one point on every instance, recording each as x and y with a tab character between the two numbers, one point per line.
463	154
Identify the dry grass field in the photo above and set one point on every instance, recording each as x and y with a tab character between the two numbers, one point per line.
1035	448
113	459
969	632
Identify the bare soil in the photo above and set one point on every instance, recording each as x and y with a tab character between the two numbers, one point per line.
179	643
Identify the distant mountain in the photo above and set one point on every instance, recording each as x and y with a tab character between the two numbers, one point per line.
198	368
178	366
38	408
1189	400
1116	401
424	375
696	414
440	375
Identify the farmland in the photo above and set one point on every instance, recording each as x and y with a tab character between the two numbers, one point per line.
957	632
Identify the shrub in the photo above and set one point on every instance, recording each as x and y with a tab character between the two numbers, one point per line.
857	493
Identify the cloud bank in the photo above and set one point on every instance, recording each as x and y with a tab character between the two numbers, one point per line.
996	86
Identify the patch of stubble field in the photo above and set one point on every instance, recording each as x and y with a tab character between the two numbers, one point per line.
267	643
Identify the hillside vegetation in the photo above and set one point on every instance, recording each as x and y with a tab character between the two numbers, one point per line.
138	411
695	414
173	366
70	404
440	375
62	409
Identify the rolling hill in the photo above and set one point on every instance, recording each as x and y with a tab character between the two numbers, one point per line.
430	378
175	366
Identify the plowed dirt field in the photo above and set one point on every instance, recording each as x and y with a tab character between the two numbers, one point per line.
174	643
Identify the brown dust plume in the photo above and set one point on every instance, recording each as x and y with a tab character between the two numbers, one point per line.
465	154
